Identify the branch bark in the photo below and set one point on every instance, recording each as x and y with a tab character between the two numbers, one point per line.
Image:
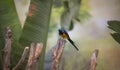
57	53
93	62
7	49
35	52
38	51
31	56
22	59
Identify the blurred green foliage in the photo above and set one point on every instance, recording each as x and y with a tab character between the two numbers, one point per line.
84	10
67	12
115	25
24	2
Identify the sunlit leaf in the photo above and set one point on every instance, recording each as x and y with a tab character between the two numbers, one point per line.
66	16
75	8
65	20
71	11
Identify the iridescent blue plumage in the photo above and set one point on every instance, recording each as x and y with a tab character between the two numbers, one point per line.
63	33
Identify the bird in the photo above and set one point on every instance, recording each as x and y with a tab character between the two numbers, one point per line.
63	33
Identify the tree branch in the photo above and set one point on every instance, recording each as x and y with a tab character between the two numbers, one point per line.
7	49
35	52
93	62
31	56
57	53
38	51
22	59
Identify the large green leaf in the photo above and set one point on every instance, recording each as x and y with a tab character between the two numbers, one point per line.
57	3
116	36
71	12
36	26
114	25
8	17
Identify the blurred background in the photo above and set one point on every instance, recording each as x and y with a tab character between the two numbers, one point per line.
89	34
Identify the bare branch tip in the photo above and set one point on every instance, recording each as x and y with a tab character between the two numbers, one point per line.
27	48
40	44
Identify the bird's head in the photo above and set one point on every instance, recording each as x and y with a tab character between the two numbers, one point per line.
60	31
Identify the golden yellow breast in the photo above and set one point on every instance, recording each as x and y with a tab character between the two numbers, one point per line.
64	35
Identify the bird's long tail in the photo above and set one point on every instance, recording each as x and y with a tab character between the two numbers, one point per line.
73	44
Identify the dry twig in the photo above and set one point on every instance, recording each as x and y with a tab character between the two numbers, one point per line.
22	59
7	49
35	51
57	53
38	51
93	62
31	56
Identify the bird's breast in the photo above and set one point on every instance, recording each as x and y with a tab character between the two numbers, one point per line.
64	35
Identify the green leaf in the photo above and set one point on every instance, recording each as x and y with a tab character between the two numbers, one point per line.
57	3
116	36
66	16
71	12
36	26
71	25
65	20
75	8
8	17
114	25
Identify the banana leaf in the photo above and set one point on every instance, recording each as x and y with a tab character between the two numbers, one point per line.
116	36
70	13
115	25
9	17
36	26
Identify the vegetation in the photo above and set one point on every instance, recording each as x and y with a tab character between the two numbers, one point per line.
35	28
68	12
115	26
63	13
